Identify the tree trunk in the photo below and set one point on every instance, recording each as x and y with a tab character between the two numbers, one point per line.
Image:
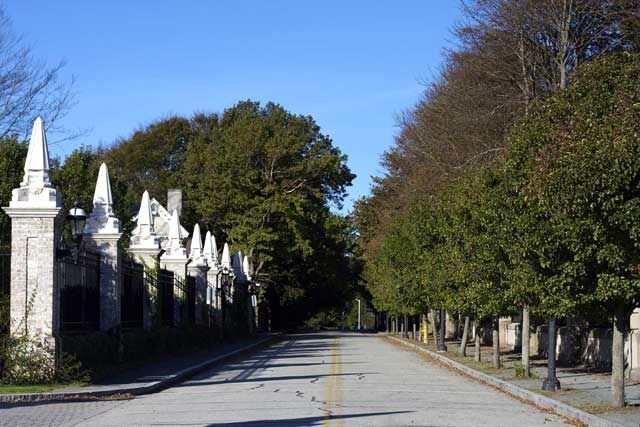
387	323
413	325
478	356
465	333
617	353
405	328
496	343
525	340
434	328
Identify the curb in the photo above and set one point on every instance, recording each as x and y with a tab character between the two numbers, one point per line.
513	390
151	387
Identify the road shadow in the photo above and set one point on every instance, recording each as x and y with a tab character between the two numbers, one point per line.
287	365
304	422
244	379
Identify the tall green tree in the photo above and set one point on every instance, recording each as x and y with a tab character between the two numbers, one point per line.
13	154
264	179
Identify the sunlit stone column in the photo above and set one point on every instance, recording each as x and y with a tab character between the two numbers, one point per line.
102	236
36	223
145	248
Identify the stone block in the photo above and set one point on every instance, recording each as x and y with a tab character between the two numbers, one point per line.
174	201
635	319
514	336
634	355
597	352
199	272
542	338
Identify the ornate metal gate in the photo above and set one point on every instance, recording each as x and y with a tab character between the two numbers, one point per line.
132	300
79	292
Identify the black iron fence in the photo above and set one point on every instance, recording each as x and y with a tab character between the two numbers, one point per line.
190	294
79	292
165	281
5	288
132	299
5	270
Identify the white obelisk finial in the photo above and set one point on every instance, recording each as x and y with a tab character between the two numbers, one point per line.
226	258
237	264
175	247
196	243
36	168
35	190
145	217
210	251
102	219
246	268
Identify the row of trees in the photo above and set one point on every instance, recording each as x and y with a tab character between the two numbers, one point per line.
514	183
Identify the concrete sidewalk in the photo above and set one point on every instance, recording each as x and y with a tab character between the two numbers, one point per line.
583	389
151	377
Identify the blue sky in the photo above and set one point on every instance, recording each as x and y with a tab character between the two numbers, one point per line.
352	65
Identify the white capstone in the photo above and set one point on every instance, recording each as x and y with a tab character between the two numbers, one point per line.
210	250
237	264
161	219
35	190
246	268
226	258
102	219
175	247
196	255
144	235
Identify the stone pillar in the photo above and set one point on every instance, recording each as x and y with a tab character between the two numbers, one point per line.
634	345
102	236
213	282
36	216
199	272
145	248
197	268
210	252
175	260
107	246
149	258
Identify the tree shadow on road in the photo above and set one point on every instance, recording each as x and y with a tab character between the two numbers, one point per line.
266	379
302	422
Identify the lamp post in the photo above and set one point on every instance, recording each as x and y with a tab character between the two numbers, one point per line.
358	313
253	302
223	297
551	383
443	320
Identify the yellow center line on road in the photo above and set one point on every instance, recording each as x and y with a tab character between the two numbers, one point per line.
334	377
339	388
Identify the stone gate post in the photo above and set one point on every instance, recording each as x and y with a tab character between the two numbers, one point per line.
175	260
145	247
198	268
36	216
102	236
210	252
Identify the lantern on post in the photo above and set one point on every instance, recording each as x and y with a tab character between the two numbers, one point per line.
77	219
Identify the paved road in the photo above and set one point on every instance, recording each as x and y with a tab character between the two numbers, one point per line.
310	380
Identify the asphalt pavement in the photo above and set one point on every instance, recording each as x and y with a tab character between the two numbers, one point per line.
321	379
